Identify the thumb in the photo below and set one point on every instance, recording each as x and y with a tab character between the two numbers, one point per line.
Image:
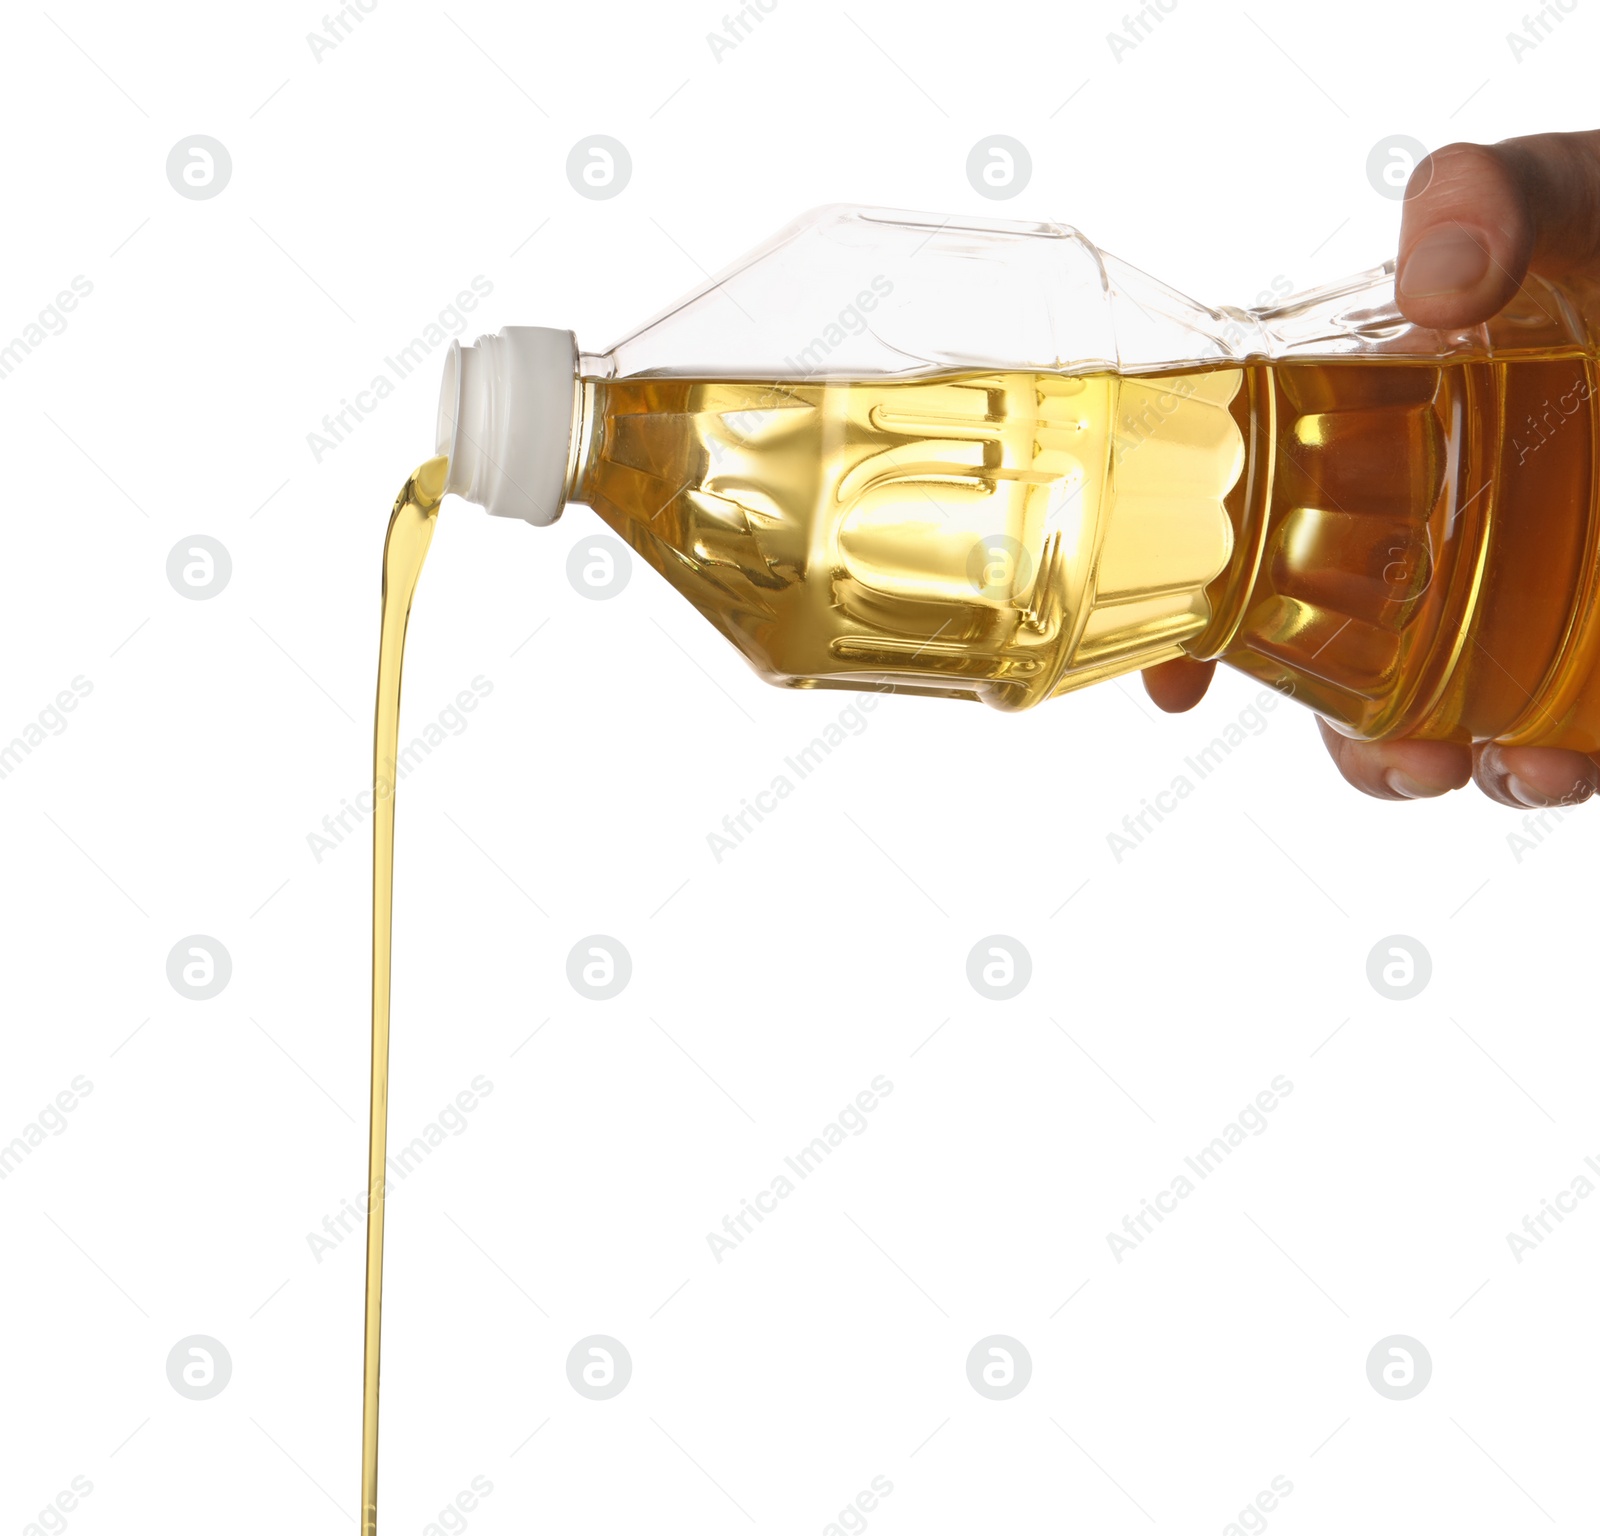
1479	217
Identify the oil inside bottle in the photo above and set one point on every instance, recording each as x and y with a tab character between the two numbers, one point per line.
952	535
1405	546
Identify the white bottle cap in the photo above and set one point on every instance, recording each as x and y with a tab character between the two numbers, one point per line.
506	418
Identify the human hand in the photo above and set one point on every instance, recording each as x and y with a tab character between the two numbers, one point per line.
1477	219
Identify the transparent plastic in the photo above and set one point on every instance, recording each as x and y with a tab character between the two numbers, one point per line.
983	459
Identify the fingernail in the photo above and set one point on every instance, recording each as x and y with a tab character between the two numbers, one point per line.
1444	261
1408	788
1535	801
1525	796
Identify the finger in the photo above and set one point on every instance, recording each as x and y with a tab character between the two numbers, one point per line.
1175	686
1398	770
1478	217
1531	778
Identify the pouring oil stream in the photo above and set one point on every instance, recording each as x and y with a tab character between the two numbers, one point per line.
406	547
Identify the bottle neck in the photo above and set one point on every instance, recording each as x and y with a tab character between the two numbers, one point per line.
586	391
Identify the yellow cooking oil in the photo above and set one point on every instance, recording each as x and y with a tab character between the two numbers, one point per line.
1407	547
411	527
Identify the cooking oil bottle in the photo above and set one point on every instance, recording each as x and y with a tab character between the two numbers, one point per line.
986	460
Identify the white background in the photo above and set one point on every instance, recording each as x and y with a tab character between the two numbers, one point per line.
1167	990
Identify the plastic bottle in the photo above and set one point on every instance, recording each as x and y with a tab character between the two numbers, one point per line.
983	459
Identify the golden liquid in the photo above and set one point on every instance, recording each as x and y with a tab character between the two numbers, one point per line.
406	547
1407	547
1424	553
960	535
